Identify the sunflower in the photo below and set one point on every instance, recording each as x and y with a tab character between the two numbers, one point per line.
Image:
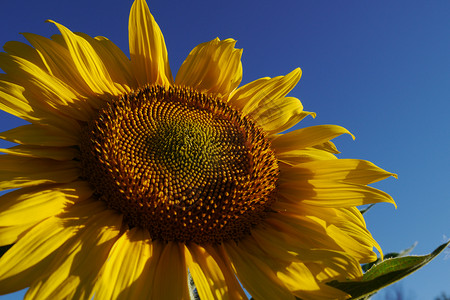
125	180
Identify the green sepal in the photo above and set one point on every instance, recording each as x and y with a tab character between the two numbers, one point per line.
366	209
384	274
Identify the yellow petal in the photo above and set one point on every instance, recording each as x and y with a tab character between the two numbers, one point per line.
255	273
283	242
291	243
24	51
348	170
248	92
206	273
39	135
14	101
58	63
277	115
45	91
298	156
34	204
362	239
148	52
327	146
335	233
170	280
16	171
213	67
304	232
125	265
340	229
220	256
297	277
72	272
301	282
142	288
294	266
359	246
9	235
307	137
56	153
116	62
248	97
88	63
326	193
27	259
17	203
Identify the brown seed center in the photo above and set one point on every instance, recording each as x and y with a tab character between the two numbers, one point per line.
185	166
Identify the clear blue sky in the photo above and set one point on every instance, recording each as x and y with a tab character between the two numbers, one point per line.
379	68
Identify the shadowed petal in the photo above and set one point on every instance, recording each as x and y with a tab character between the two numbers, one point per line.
212	278
249	98
171	279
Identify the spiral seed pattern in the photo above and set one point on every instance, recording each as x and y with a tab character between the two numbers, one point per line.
183	165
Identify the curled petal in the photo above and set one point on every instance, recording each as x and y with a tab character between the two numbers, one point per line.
252	97
213	67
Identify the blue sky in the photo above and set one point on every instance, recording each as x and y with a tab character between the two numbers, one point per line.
379	68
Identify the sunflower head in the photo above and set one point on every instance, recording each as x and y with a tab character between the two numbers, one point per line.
125	179
184	165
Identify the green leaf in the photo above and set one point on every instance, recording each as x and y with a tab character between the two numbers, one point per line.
385	273
405	252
